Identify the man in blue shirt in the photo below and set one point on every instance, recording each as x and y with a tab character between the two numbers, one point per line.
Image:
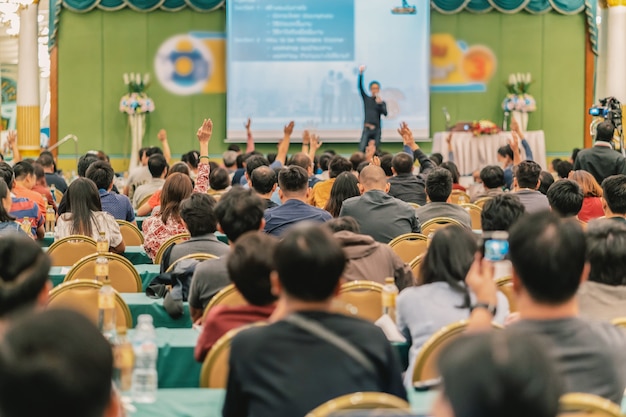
116	205
294	192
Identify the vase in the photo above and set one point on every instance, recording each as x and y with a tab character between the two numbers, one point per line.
521	118
137	123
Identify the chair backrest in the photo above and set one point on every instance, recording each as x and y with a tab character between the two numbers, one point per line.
505	286
58	196
459	197
481	201
474	212
144	200
214	373
360	298
588	405
82	295
409	245
201	257
227	296
436	223
122	273
619	322
131	234
181	237
415	265
362	401
414	205
70	249
426	362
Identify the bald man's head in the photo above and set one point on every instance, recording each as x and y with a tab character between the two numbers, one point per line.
373	178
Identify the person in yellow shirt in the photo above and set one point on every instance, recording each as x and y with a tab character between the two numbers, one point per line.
321	191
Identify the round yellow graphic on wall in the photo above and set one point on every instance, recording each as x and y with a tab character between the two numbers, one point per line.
183	65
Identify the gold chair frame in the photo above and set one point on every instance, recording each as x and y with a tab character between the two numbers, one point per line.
505	286
440	222
229	295
361	401
131	234
197	256
456	194
474	212
112	257
181	237
397	244
581	404
63	241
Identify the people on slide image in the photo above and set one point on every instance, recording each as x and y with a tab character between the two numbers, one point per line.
373	107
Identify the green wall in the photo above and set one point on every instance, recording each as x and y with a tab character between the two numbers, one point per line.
96	48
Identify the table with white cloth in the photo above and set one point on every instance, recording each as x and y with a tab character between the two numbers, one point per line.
472	153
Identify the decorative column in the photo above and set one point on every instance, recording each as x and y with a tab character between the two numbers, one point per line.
616	50
28	116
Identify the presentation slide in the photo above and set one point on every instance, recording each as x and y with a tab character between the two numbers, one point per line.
299	60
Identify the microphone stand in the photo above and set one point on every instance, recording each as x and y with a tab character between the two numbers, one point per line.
65	139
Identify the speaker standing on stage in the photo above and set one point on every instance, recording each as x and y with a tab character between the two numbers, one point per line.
373	106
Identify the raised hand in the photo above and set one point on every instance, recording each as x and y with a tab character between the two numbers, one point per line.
288	130
407	136
315	143
205	131
480	280
247	124
370	150
162	135
361	69
12	137
375	161
514	142
306	137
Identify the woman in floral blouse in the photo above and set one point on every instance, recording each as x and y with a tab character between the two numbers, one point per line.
165	222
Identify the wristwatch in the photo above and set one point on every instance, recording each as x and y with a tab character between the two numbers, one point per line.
489	307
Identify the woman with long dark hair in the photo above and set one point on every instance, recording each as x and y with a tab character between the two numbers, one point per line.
441	297
7	222
84	216
165	221
346	186
456	176
155	200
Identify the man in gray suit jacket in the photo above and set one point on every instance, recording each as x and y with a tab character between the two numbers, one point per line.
379	215
438	189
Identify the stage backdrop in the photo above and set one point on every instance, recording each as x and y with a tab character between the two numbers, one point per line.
96	48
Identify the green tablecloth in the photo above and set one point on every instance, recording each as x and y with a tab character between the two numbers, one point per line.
146	272
136	255
201	402
140	303
403	352
139	220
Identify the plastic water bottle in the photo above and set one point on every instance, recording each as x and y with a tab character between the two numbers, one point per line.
26	226
145	379
102	245
123	362
106	310
390	292
50	219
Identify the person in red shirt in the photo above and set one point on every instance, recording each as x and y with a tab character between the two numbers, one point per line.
25	180
249	266
592	192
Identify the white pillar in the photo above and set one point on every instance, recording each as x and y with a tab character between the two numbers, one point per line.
28	83
616	51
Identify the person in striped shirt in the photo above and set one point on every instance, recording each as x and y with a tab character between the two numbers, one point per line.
23	207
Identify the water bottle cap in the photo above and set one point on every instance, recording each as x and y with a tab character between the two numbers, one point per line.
144	318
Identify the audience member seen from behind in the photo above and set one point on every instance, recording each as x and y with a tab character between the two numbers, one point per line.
404	185
85	217
7	222
63	357
41	187
614	198
565	198
592	192
451	166
294	192
563	169
219	182
157	165
25	180
525	185
603	295
46	160
367	259
249	268
154	201
238	212
492	177
23	207
497	374
346	186
438	189
264	181
378	214
501	212
321	191
601	160
263	368
198	217
545	181
441	297
117	205
548	256
24	283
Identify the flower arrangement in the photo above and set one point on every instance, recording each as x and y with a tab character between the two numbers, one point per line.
518	99
484	127
136	101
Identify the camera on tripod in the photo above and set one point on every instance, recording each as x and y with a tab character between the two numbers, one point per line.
609	109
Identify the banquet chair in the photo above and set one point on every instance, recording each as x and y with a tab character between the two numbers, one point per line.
505	286
481	202
58	196
360	298
200	257
619	322
425	368
181	237
144	200
131	235
227	296
416	264
214	373
436	223
578	404
414	205
70	249
409	245
474	212
82	296
459	197
362	401
123	275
